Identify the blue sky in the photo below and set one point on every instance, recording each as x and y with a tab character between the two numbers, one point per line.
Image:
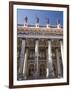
42	14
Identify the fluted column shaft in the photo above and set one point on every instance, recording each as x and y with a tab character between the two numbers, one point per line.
36	58
50	63
25	64
58	63
21	61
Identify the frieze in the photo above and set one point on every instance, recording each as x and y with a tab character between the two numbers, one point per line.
43	32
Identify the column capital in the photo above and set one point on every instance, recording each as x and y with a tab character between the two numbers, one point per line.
23	38
60	39
36	39
49	39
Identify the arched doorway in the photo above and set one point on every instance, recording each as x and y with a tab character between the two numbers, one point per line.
42	71
31	71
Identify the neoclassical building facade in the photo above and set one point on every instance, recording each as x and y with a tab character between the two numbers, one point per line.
39	51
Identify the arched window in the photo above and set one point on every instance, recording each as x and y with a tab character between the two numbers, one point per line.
42	70
31	71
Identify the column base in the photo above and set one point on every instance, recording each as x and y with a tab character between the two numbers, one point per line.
20	76
59	76
51	75
36	75
24	77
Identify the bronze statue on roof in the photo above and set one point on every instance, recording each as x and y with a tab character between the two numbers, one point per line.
26	19
58	21
47	20
37	19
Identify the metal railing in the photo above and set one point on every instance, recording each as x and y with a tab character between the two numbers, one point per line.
40	26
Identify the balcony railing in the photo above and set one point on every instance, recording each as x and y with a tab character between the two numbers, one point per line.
40	26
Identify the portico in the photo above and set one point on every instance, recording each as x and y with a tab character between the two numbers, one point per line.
38	60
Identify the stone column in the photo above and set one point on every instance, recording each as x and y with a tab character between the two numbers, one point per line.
21	60
62	55
25	64
47	68
58	64
61	47
36	58
50	63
